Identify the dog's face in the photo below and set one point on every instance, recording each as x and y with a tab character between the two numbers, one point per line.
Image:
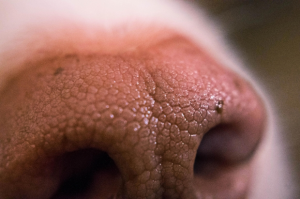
127	100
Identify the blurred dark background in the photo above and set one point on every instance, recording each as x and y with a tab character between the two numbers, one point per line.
267	34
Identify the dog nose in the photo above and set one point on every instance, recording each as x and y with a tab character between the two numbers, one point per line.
166	121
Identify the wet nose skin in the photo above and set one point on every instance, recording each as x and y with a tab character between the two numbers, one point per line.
162	122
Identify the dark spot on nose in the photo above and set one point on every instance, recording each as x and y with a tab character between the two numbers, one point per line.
58	71
219	106
238	84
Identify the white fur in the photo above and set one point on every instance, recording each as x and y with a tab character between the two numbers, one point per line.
90	25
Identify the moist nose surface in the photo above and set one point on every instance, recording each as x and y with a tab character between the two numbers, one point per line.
143	112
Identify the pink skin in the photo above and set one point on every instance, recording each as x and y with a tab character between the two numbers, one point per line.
147	109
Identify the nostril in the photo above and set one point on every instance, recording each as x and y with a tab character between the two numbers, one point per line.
84	170
225	145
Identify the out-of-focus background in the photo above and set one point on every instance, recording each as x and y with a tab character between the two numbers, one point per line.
267	34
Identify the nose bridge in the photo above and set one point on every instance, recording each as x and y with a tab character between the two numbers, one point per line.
151	134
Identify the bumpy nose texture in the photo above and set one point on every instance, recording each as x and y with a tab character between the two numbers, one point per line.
148	110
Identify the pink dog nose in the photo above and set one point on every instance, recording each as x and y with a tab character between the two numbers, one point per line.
162	122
